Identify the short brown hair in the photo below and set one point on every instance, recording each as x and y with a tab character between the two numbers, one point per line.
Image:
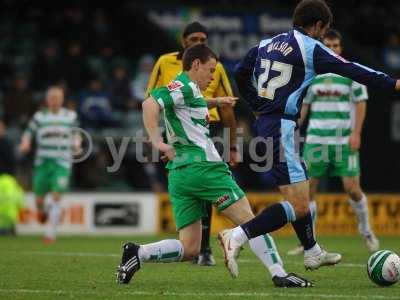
332	34
199	51
309	12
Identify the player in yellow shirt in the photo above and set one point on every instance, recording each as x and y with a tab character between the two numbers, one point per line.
165	70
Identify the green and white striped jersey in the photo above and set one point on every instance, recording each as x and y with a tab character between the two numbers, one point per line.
54	135
186	121
332	100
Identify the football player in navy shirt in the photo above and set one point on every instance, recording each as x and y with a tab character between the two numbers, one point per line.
273	78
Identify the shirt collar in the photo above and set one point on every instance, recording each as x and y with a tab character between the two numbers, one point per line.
185	75
300	30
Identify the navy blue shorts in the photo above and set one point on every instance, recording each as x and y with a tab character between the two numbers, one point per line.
281	146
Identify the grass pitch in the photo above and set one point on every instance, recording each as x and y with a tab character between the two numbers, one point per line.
84	268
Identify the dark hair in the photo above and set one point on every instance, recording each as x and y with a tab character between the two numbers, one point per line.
309	12
199	51
333	34
194	27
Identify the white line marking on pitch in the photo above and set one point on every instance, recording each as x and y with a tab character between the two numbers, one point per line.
83	254
200	295
93	254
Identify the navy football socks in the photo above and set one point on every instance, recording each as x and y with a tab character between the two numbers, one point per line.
270	219
276	216
304	231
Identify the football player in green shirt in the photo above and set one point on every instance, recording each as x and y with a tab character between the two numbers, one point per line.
53	129
196	173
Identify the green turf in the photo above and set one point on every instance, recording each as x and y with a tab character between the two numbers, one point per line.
83	268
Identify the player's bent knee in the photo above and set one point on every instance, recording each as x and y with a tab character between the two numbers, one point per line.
56	196
301	211
190	250
239	212
353	189
355	194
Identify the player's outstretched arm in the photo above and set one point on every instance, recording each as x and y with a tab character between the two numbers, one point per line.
326	61
221	101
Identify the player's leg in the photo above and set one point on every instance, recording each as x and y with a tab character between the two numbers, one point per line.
314	182
165	251
231	201
59	184
317	157
41	186
188	211
295	210
291	177
359	202
54	216
262	246
348	168
313	210
40	206
173	250
205	257
222	188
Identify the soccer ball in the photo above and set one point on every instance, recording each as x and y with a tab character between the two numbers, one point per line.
384	267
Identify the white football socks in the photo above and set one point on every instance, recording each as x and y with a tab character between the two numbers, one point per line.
265	249
314	251
313	211
239	236
162	251
54	219
360	208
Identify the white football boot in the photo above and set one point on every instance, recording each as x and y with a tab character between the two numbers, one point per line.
313	262
296	251
231	251
371	242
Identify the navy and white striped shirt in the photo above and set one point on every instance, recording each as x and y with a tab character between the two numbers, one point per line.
274	75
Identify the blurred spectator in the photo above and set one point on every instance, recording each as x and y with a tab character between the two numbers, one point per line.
101	25
119	89
5	71
46	69
18	103
74	21
102	61
391	52
94	106
100	30
139	82
7	152
74	67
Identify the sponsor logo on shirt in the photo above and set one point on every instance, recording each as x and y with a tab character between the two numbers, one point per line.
328	93
174	85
